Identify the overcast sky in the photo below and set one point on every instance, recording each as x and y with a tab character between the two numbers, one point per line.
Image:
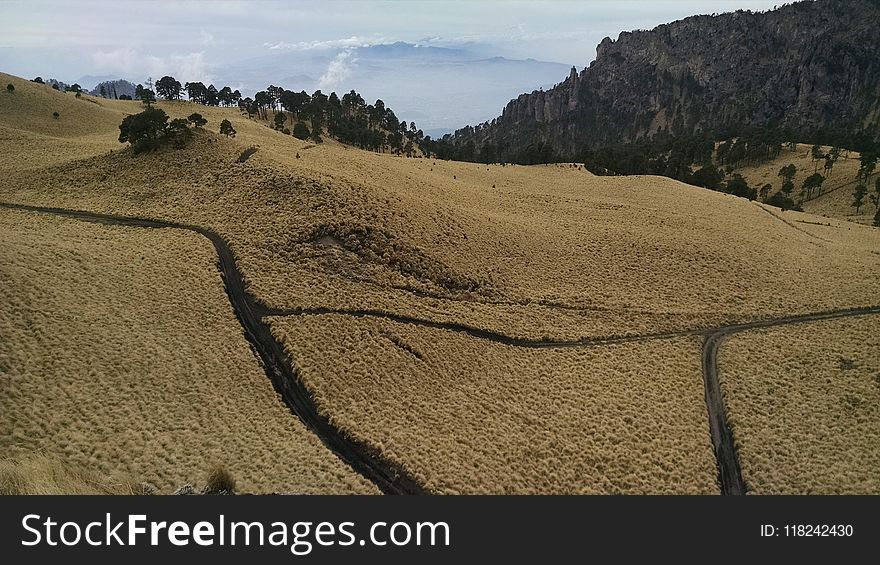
190	40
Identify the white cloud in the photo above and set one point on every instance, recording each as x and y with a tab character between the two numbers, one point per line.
352	42
206	38
337	71
130	63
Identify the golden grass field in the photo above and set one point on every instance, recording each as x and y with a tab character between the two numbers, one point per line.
464	415
541	252
804	403
121	354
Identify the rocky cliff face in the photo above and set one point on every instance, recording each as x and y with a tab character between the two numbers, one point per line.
808	67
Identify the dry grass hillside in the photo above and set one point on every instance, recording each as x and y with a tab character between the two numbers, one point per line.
836	198
120	353
32	137
465	415
542	252
805	406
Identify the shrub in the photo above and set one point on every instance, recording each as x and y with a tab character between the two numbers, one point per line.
782	201
178	132
56	115
9	88
197	120
226	128
301	131
220	481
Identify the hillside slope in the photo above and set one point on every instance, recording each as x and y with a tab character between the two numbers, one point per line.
806	67
350	250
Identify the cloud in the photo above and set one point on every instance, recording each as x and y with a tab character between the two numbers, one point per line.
129	62
352	42
206	38
337	71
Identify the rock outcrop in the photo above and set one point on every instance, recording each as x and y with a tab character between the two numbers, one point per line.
810	67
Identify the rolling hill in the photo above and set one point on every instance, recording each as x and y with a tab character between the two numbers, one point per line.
477	328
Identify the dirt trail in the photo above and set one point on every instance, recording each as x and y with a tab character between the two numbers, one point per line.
786	222
389	477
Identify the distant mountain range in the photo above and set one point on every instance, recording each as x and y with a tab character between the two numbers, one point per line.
811	69
439	88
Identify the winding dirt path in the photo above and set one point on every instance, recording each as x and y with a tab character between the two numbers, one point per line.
389	477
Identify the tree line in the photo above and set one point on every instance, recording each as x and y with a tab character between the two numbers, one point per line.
348	118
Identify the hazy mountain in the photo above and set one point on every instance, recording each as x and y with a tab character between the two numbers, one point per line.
465	85
114	88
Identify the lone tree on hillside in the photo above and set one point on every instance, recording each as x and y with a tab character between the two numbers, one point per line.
226	128
301	131
38	80
859	197
9	88
197	120
168	88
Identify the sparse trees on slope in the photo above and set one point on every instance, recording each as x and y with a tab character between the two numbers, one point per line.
226	128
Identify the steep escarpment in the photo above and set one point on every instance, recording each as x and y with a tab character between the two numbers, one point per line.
811	68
